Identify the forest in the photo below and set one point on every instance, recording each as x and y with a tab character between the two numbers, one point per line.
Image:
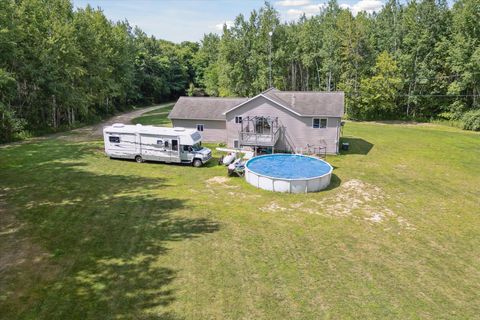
61	67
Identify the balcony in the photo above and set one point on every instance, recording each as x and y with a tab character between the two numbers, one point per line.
259	131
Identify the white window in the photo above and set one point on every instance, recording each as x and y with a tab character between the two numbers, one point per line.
319	123
114	139
238	119
200	127
235	144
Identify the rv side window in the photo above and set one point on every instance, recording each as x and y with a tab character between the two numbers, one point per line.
175	145
160	143
114	139
166	144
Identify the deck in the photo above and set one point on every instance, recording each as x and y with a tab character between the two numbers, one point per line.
259	139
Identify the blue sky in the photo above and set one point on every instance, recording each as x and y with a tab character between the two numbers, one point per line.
184	20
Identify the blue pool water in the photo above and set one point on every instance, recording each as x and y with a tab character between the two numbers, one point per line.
288	166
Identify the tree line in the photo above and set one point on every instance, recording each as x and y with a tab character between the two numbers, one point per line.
419	60
60	66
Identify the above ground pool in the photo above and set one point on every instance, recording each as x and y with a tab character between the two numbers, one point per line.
288	173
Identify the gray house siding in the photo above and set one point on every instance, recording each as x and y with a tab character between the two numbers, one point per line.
213	130
298	129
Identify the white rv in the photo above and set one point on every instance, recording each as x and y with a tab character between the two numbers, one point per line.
141	143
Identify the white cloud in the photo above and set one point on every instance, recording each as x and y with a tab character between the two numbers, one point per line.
369	6
229	24
292	3
309	10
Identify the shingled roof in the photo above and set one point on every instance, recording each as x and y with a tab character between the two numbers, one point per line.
310	103
203	108
303	103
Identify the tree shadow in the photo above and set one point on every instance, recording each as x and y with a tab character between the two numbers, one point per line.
357	146
106	234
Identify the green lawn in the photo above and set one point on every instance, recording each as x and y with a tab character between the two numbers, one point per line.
396	236
156	117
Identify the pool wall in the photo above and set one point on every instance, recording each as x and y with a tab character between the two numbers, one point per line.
288	185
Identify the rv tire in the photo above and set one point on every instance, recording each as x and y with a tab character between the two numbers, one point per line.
139	159
197	163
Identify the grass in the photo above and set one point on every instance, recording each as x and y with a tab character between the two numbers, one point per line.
156	117
395	236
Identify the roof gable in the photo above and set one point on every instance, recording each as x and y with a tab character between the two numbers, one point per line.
276	101
303	103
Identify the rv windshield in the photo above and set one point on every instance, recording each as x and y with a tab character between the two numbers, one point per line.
197	146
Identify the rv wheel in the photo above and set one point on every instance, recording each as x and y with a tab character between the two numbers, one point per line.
197	163
138	159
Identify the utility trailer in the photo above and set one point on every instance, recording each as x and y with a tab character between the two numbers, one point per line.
170	145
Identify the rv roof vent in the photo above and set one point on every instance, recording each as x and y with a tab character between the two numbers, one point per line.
118	125
179	129
139	124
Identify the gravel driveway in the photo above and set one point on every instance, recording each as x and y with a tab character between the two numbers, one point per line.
96	130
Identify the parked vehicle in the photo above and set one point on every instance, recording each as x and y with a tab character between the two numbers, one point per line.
177	145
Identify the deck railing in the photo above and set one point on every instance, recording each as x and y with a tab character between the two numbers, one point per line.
259	139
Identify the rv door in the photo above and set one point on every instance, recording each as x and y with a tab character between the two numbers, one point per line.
175	152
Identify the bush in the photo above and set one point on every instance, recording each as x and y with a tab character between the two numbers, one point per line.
10	125
471	120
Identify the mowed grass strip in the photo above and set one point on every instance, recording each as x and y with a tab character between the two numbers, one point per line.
395	236
156	117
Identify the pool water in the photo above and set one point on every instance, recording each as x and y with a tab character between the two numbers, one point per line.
289	166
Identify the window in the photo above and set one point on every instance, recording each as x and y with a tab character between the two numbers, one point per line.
175	145
235	144
196	136
200	127
114	139
238	119
186	148
165	144
262	125
160	143
319	123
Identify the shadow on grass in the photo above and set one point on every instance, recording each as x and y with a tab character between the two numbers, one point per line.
357	146
105	232
213	162
335	182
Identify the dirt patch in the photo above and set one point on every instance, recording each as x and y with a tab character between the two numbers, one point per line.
359	200
274	207
220	181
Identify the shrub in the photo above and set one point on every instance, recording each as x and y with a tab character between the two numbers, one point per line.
10	125
471	120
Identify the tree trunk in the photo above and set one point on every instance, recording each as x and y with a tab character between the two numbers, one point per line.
318	75
54	111
329	80
414	82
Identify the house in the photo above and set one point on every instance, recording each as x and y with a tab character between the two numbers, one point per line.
293	121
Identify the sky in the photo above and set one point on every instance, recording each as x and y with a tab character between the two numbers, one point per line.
189	20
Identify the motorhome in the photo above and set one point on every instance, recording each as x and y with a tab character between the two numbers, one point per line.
177	145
